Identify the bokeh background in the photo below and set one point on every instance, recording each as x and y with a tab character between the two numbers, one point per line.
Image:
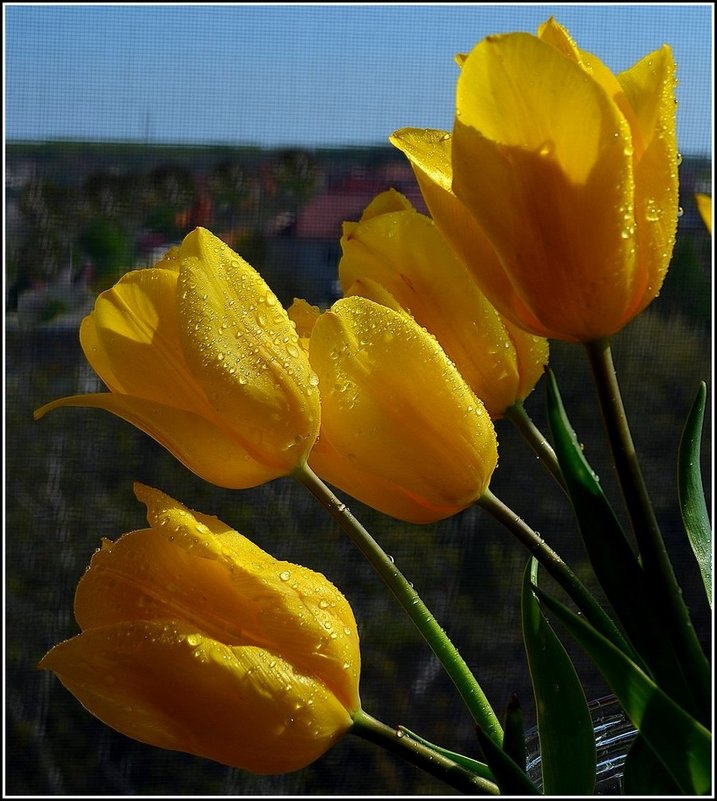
127	126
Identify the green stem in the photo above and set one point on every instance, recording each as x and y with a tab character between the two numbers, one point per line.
653	553
452	662
433	762
537	441
638	503
557	568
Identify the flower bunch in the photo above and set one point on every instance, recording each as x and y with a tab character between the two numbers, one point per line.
553	207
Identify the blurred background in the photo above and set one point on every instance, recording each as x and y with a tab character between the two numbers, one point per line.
128	126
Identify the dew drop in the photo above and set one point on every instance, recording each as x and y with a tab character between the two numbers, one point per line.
285	575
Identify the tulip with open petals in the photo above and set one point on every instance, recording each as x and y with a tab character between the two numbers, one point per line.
199	353
400	428
194	639
558	186
394	249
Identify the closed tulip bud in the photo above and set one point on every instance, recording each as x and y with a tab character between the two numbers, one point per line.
199	353
194	639
398	257
401	430
558	186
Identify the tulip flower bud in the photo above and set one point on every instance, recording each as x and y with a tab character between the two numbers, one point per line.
558	186
398	257
199	354
401	430
194	639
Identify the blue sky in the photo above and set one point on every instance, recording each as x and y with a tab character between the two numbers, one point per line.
301	74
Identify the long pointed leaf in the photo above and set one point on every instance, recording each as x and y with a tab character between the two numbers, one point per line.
683	745
644	774
473	765
690	491
565	728
509	777
514	734
616	567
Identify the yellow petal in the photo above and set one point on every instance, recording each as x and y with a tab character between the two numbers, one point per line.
532	354
556	35
370	360
704	206
303	315
430	154
650	89
372	290
164	683
380	492
131	339
241	345
385	203
212	452
518	91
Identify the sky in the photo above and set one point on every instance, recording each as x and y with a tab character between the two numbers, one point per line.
307	75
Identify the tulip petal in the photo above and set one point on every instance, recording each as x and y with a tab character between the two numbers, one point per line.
377	491
556	35
704	206
650	89
163	683
430	152
241	345
370	361
131	340
211	452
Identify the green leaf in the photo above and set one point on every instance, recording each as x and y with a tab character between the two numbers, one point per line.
565	728
473	765
509	777
514	733
637	605
691	494
682	744
644	774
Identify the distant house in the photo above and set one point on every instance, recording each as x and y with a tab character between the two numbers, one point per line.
303	249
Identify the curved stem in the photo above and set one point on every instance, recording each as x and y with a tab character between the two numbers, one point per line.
537	441
452	662
653	553
557	568
433	762
638	503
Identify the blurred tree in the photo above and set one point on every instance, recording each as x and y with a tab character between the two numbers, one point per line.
108	246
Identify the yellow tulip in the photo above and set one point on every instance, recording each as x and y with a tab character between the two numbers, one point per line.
199	353
398	257
704	206
194	639
558	186
400	428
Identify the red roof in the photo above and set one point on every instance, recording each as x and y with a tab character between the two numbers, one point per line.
322	216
